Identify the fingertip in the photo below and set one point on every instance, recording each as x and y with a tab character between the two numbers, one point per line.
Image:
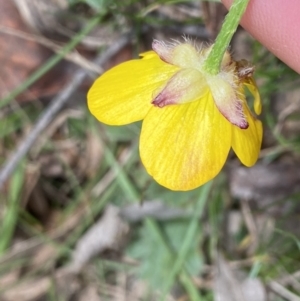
275	23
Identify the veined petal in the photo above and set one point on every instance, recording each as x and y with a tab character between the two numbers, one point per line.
251	85
123	94
227	101
246	143
186	85
184	146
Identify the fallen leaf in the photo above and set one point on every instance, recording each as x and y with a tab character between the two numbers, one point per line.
228	285
108	233
19	58
265	184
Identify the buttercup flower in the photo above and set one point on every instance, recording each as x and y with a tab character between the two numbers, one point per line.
191	118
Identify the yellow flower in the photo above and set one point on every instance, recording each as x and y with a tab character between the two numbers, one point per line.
191	119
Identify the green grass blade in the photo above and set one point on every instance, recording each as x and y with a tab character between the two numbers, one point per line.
133	195
189	237
50	63
11	216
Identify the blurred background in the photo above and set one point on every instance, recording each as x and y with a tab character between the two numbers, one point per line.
81	220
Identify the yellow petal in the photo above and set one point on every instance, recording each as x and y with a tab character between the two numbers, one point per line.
148	54
246	143
251	85
184	146
123	94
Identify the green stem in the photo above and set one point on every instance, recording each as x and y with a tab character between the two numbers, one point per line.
231	22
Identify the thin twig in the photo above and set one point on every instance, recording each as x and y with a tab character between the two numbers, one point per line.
250	223
156	209
55	106
72	56
30	245
282	291
285	280
111	175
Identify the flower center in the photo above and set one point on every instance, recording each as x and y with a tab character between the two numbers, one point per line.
192	83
